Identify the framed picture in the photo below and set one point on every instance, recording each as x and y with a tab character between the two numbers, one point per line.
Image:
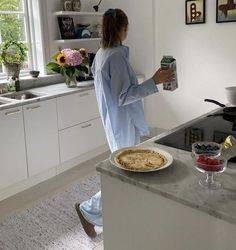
194	11
66	26
225	11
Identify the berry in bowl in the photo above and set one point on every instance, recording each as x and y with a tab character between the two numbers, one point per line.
209	165
207	148
205	163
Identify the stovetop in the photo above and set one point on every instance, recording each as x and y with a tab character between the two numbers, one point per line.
214	127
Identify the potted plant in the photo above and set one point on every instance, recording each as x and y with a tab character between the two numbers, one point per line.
12	55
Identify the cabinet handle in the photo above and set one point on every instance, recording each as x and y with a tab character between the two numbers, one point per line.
34	107
84	94
85	126
13	112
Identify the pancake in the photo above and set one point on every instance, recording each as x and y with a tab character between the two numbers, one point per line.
140	159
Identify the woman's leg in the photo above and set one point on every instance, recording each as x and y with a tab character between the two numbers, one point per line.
92	209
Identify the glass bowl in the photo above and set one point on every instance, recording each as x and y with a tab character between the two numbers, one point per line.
209	165
207	148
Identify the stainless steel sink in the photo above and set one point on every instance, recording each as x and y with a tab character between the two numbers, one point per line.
23	95
4	101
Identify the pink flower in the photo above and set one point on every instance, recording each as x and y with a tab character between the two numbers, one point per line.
73	57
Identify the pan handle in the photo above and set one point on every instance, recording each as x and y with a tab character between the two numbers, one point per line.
213	101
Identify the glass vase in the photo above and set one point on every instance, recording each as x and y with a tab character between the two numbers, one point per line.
71	81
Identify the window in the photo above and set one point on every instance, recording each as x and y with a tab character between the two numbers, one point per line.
20	21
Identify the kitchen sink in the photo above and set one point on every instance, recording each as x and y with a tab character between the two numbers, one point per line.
1	103
23	95
4	101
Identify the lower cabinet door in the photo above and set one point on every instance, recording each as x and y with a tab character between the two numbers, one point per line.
13	167
41	136
81	139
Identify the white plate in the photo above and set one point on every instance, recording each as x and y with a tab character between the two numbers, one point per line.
166	154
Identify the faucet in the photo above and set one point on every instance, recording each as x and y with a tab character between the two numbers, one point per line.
16	82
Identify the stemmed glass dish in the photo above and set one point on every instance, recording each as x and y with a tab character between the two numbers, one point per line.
208	160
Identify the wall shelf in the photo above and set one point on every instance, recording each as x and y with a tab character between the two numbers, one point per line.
77	40
77	13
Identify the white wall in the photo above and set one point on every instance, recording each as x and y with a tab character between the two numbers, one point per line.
140	37
205	55
206	62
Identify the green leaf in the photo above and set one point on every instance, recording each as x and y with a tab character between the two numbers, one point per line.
82	68
85	60
54	67
62	71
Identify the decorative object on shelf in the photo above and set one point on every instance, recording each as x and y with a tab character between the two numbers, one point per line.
12	55
225	11
82	31
96	7
194	11
70	63
67	5
67	28
76	5
34	73
96	30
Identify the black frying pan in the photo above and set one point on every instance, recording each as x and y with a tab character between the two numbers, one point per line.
227	110
227	117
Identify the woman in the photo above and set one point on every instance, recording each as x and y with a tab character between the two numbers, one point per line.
119	98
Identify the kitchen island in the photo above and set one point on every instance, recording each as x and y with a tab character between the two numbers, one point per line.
167	209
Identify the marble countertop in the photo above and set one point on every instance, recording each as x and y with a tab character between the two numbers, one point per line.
45	93
179	182
48	90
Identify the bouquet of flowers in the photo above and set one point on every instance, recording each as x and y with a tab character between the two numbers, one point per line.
70	63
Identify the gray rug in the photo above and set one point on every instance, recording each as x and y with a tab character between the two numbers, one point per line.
52	223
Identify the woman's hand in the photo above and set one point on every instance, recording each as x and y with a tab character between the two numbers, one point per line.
163	76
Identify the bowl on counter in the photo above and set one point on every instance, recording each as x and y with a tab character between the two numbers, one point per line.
207	148
34	73
231	95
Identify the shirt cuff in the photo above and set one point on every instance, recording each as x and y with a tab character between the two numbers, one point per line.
149	86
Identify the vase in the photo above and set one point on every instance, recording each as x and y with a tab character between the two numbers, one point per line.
76	5
12	70
67	5
71	81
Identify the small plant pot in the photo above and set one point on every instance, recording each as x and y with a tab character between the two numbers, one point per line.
12	70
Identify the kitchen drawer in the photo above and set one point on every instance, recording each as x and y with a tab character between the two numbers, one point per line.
76	108
81	139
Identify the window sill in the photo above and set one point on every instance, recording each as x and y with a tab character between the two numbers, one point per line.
27	81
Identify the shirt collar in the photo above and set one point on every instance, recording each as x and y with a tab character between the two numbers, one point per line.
125	50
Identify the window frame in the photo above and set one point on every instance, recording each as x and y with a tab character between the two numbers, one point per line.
29	36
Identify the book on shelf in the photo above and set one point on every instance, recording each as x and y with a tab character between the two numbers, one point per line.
66	26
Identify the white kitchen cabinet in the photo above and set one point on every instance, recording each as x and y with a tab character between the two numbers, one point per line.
80	126
76	108
41	133
81	139
13	166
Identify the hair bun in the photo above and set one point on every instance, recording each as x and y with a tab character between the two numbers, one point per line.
110	12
